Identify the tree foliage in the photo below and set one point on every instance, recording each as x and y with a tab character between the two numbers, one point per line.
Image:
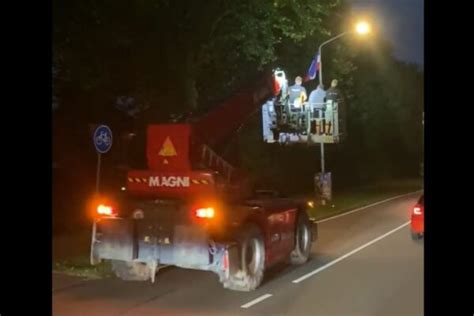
172	56
128	63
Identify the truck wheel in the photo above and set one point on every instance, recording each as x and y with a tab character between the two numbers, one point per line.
302	250
131	271
252	261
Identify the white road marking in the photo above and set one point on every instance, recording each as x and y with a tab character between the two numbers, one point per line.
367	206
256	301
304	277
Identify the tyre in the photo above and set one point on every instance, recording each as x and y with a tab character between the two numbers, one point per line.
131	271
252	260
416	236
302	250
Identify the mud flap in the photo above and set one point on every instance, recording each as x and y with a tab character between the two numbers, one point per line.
113	238
190	247
230	262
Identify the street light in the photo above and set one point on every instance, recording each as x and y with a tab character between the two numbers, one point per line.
361	28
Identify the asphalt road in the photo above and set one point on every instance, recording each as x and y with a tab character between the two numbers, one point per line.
364	263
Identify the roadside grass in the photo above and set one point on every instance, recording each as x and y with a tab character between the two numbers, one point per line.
81	267
361	196
71	257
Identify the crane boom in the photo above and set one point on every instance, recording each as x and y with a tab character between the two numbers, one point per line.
184	151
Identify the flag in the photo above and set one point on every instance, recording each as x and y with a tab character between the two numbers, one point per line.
313	68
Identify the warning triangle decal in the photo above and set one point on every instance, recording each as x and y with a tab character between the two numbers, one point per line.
167	150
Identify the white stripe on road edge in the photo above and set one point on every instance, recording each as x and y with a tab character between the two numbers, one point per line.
257	300
367	206
304	277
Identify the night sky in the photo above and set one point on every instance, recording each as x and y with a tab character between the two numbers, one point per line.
401	21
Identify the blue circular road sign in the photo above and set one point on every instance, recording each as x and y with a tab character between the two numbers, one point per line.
102	139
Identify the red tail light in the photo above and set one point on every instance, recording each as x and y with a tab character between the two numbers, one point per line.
207	212
105	210
418	210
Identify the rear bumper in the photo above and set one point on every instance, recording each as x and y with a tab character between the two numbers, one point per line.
417	225
187	246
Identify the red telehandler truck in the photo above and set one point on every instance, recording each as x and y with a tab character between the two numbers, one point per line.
194	210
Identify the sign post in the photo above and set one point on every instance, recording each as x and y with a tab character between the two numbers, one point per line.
102	142
323	186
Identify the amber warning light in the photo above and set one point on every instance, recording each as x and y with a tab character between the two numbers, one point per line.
205	212
105	210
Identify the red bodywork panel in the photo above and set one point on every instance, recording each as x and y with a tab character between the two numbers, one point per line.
418	225
168	147
151	183
418	220
280	236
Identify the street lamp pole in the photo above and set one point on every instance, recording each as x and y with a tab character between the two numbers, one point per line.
321	57
361	28
321	82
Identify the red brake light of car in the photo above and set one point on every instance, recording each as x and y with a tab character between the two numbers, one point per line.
417	210
105	210
205	212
